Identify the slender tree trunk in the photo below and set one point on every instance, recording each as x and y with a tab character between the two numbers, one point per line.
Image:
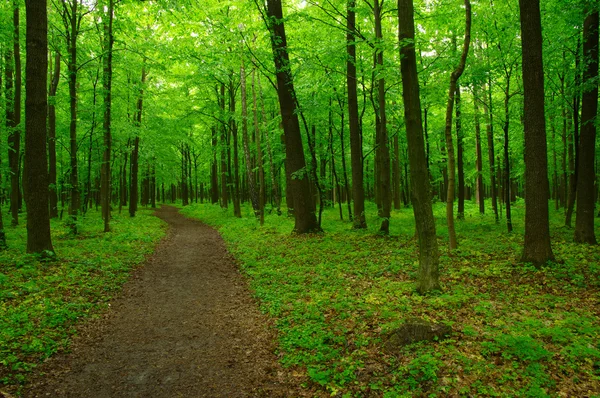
73	33
214	169
574	143
356	154
383	150
420	186
459	158
537	249
584	219
345	169
39	239
237	212
304	210
53	191
105	182
448	131
479	161
488	110
14	137
259	156
133	189
276	192
246	144
223	148
505	128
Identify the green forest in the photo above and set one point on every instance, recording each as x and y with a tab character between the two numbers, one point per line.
371	165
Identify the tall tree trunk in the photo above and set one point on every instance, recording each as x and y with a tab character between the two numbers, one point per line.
584	219
537	249
489	129
246	143
72	27
459	158
304	209
105	182
448	131
14	137
574	142
356	153
53	191
259	156
505	128
133	189
275	185
223	149
214	168
383	150
237	212
420	186
479	161
39	239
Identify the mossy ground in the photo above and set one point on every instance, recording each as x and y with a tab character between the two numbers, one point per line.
518	331
42	301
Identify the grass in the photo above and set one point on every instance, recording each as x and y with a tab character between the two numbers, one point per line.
518	331
42	301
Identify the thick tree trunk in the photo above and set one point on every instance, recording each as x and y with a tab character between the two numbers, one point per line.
537	249
586	195
420	186
448	131
105	180
304	209
356	154
39	239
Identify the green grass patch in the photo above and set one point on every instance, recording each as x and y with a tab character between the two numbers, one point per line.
42	301
517	330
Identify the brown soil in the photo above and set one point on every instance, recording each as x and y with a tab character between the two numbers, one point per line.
184	326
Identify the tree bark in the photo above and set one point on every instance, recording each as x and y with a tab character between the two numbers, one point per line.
459	158
479	160
356	154
448	131
39	239
237	212
420	186
537	249
574	142
105	180
246	143
259	156
304	209
133	189
584	217
14	137
53	191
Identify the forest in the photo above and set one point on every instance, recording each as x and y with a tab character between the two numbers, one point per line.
366	162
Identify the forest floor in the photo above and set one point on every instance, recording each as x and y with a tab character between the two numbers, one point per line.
185	325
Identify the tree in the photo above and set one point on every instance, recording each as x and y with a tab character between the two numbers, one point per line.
39	239
304	208
14	118
448	132
537	248
584	218
420	186
107	86
53	191
356	150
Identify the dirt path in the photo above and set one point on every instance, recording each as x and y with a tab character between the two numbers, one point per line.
185	326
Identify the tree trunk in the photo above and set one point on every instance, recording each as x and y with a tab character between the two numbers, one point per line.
304	209
420	186
105	182
133	189
584	219
383	150
53	191
72	34
14	137
459	158
448	131
489	129
276	192
507	185
223	148
356	154
259	156
214	168
574	143
246	144
39	239
537	249
479	160
237	212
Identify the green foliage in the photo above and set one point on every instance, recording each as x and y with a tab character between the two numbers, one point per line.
519	330
42	301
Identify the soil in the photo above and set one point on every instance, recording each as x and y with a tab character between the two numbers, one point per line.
185	325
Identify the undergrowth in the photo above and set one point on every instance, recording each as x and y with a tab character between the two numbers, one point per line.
41	301
518	331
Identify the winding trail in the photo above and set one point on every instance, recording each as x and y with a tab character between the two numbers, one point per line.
184	326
